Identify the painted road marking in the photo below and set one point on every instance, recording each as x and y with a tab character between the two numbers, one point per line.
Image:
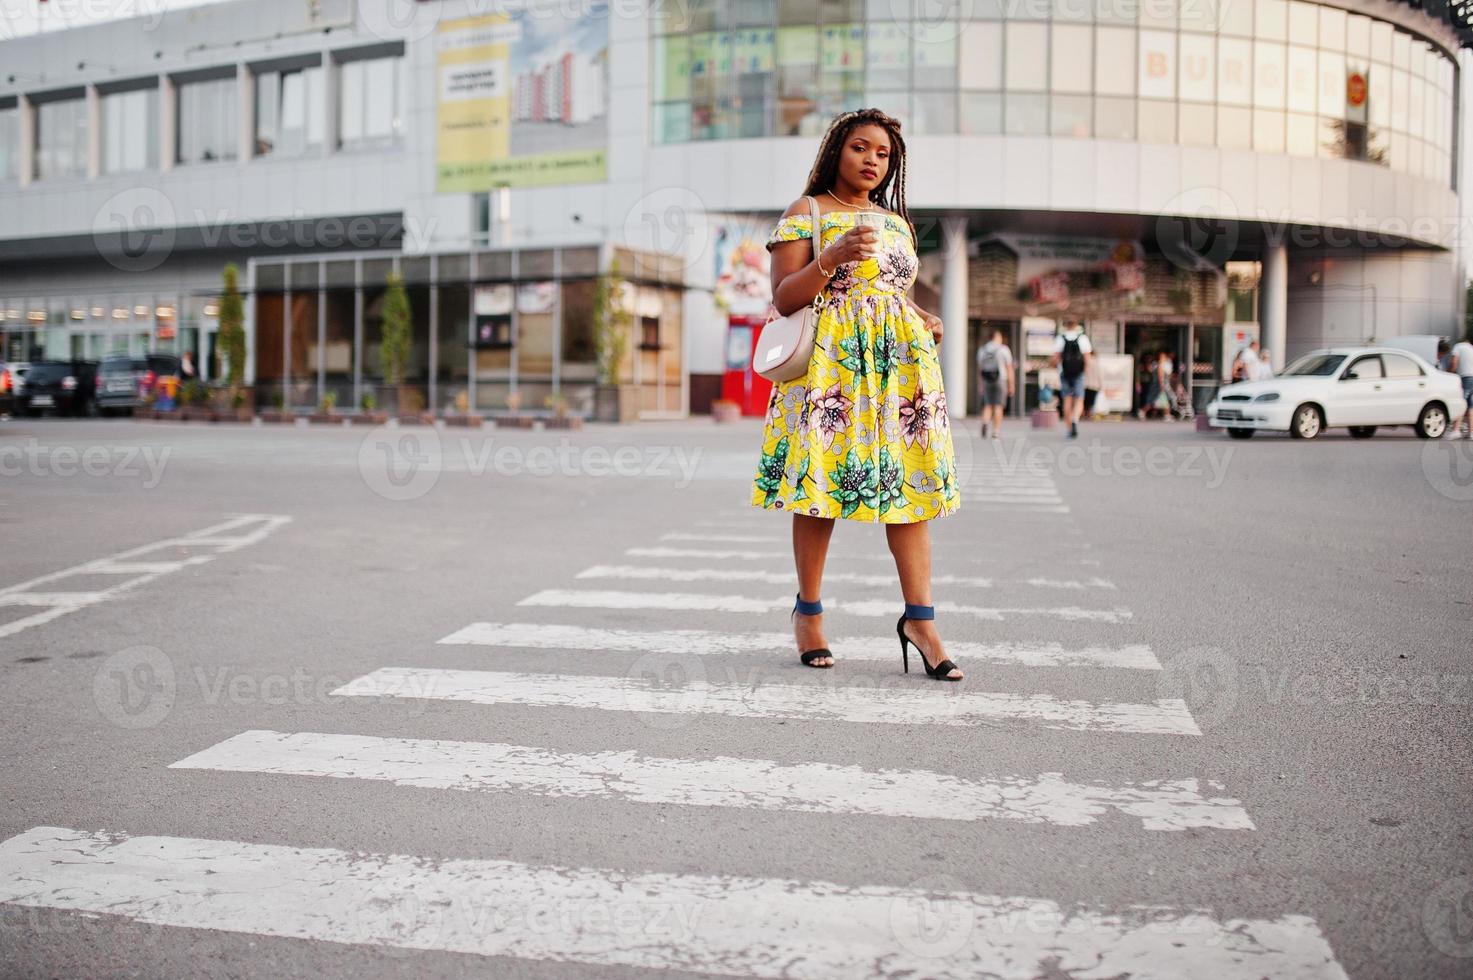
610	599
722	781
648	920
786	577
865	705
55	603
546	636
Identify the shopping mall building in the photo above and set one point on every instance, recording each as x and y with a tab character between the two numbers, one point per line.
1182	175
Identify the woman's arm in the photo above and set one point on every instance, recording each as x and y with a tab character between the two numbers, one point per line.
931	320
796	276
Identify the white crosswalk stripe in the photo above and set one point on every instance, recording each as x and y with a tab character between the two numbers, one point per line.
615	599
1172	804
555	636
633	572
863	705
717	924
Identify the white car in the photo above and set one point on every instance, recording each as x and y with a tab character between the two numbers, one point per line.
1362	388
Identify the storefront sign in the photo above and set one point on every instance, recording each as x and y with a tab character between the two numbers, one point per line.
522	99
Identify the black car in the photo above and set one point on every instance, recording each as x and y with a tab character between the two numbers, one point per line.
9	377
122	379
63	387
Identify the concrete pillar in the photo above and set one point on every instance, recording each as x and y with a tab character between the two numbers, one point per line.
245	95
1273	302
953	349
168	123
27	110
94	132
330	83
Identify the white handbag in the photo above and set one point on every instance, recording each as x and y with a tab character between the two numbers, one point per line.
785	345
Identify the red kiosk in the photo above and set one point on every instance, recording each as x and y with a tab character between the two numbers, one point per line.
740	383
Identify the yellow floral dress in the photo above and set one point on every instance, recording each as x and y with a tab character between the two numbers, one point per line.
864	435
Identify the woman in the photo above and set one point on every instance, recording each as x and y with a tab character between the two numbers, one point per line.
864	435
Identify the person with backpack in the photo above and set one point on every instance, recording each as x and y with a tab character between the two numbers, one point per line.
1072	353
995	366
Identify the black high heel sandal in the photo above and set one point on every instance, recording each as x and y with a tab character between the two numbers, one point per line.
941	671
811	609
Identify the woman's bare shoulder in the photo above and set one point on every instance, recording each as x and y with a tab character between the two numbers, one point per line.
798	207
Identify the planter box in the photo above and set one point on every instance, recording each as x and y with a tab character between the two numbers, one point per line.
327	418
1045	418
196	413
564	422
615	403
370	418
515	421
1204	423
416	418
278	415
725	411
468	420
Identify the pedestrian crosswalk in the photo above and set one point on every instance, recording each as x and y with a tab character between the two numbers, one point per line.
1003	478
645	918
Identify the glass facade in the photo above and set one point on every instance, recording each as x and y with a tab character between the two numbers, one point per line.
91	326
1275	76
130	131
208	115
512	329
9	141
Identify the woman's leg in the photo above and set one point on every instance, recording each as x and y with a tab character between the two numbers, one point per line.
911	546
810	552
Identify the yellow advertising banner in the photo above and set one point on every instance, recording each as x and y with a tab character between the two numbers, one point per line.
521	101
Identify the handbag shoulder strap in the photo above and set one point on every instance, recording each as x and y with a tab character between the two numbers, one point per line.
817	231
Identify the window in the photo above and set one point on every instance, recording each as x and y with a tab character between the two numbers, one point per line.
9	142
130	128
1364	369
61	139
208	113
289	111
649	333
370	102
1398	366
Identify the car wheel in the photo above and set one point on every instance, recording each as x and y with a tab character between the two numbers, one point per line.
1307	422
1241	433
1432	423
1362	431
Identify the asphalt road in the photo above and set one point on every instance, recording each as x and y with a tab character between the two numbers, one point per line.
411	703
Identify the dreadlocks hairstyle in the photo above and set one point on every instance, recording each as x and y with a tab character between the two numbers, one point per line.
826	166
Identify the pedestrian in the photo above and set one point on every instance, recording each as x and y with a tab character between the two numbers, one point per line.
864	434
995	369
1164	371
1265	365
1072	353
1444	355
187	372
1461	364
1245	365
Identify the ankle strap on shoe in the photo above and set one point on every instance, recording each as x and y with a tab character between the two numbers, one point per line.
807	608
913	611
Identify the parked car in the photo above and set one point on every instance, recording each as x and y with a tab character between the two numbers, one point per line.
122	379
1362	388
63	387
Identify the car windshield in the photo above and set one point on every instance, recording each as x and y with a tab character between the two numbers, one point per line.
1315	366
43	373
117	364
